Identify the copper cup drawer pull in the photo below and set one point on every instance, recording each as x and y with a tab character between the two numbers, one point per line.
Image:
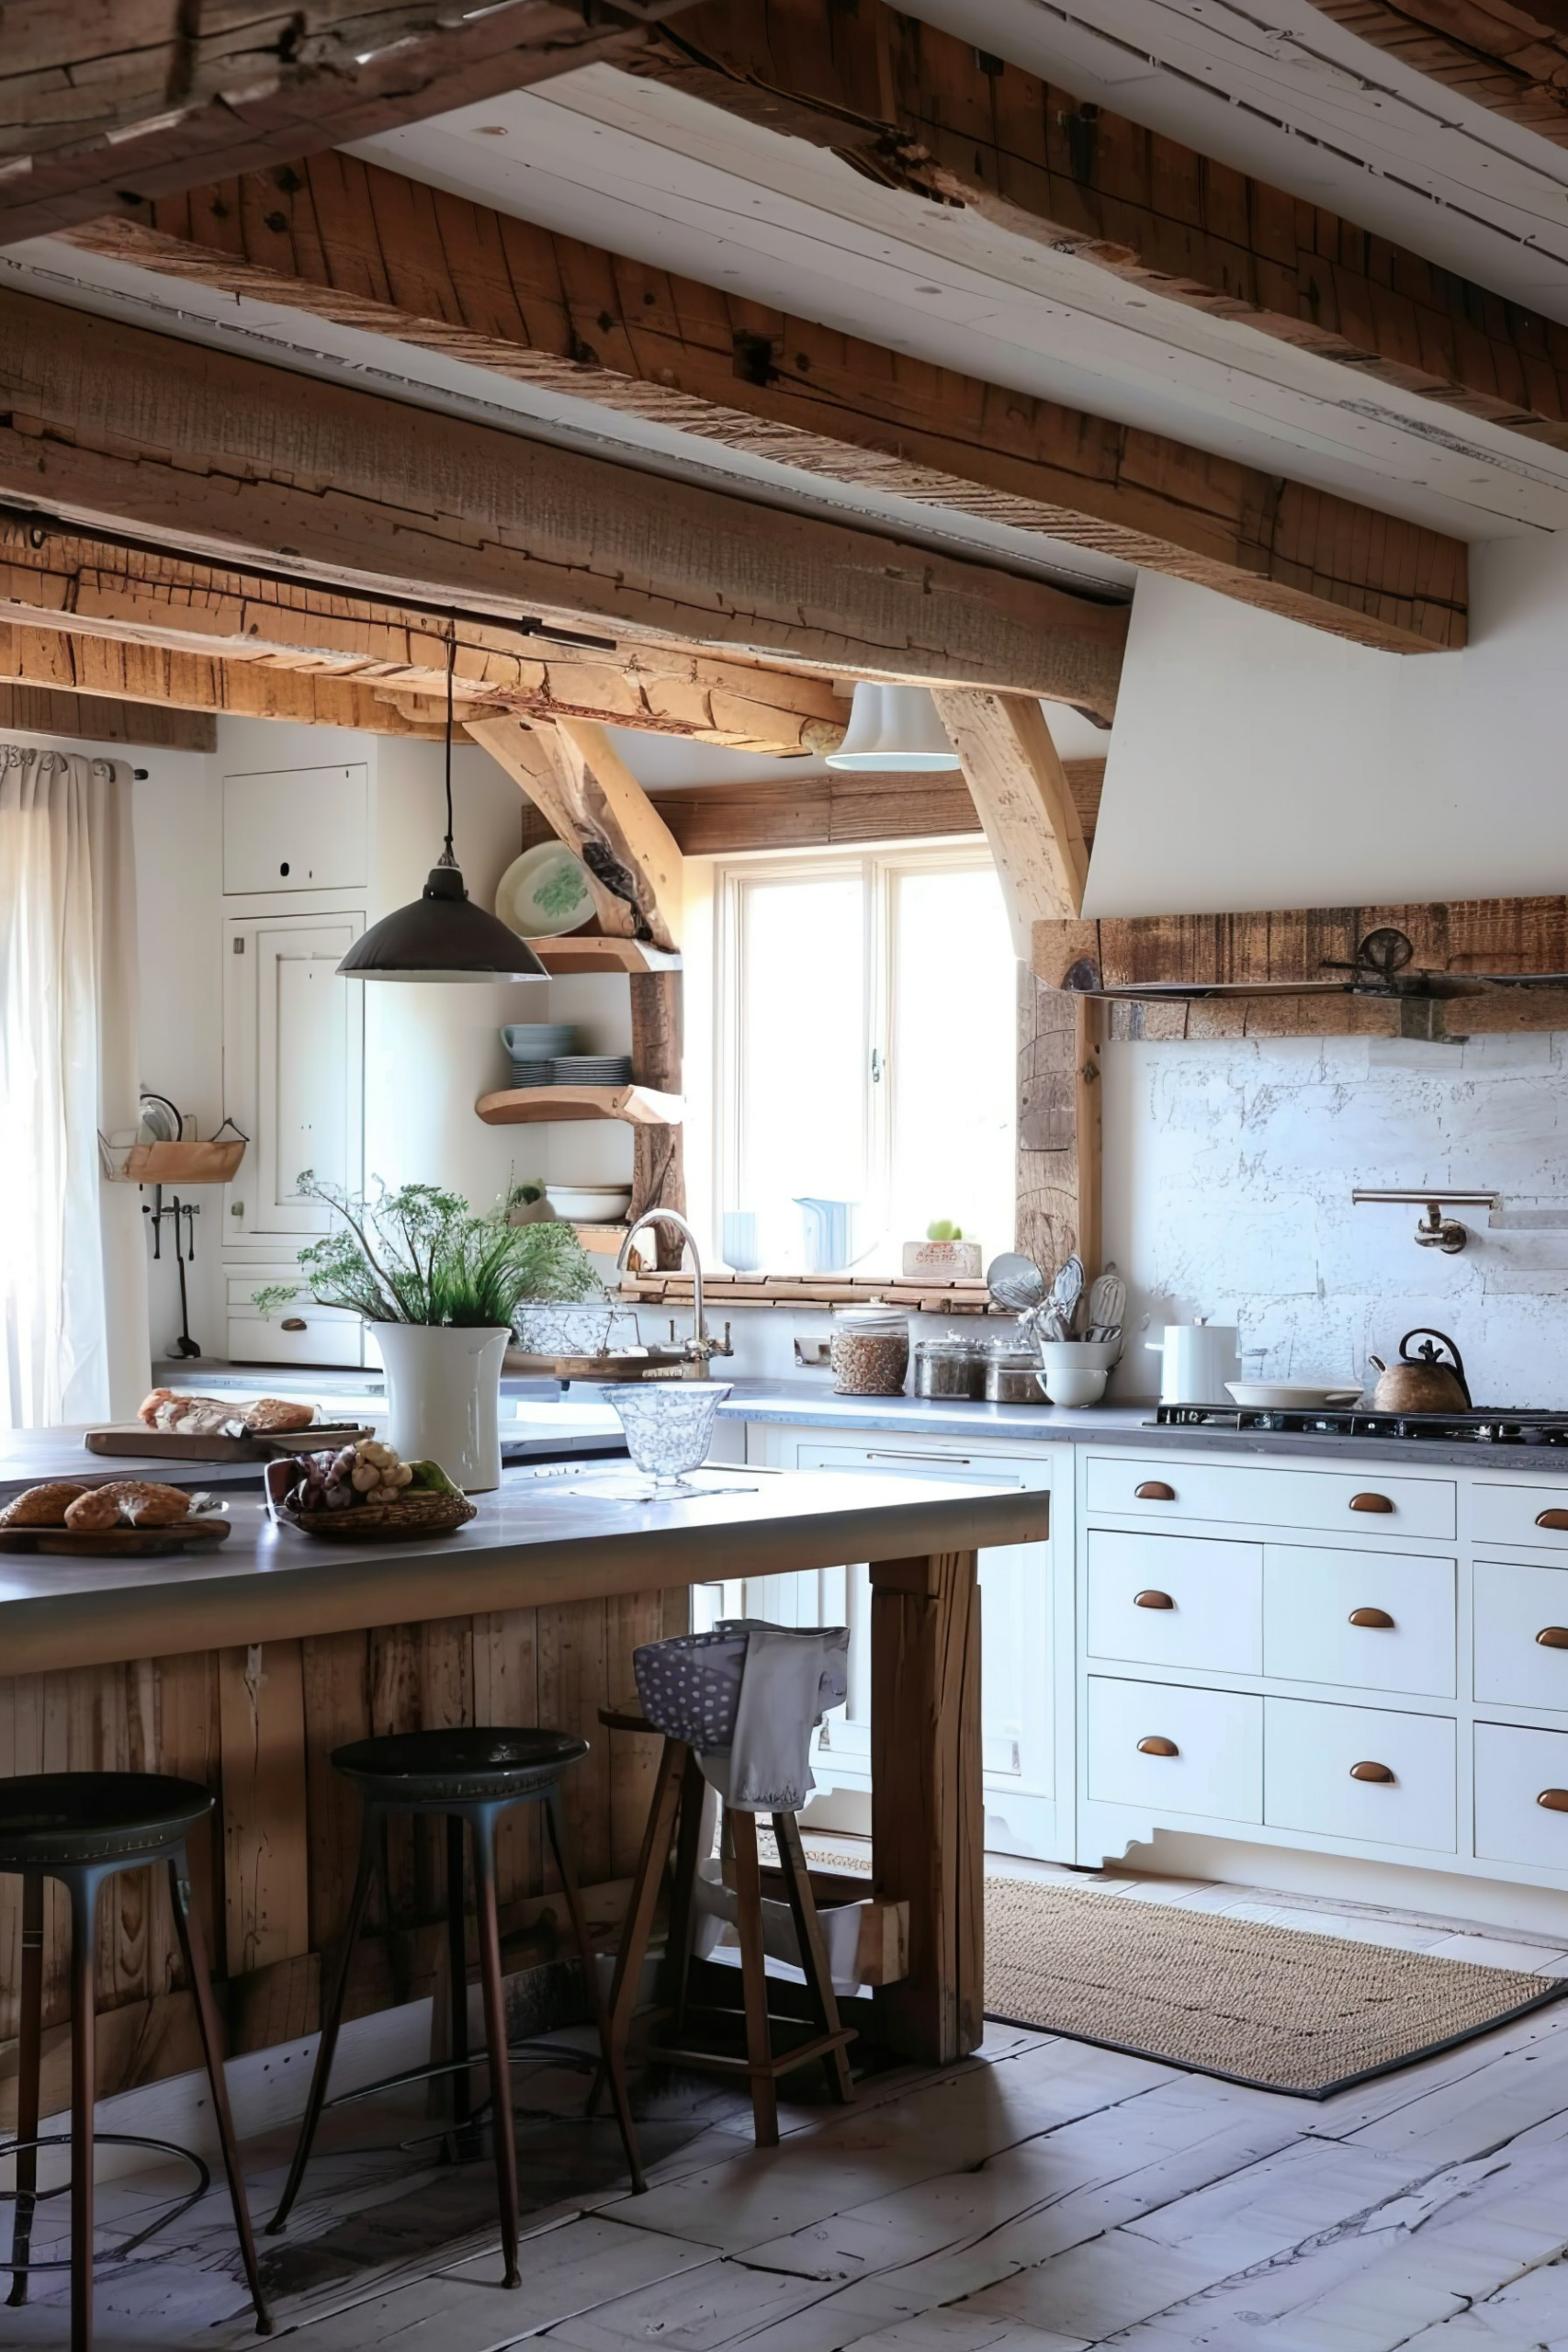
1553	1637
1371	1772
1155	1490
1370	1617
1370	1502
293	1323
1553	1519
1163	1600
1554	1800
1156	1747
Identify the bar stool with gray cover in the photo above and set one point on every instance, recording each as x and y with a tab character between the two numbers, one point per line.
84	1828
470	1773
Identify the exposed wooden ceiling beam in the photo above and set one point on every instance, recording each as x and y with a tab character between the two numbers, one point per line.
346	240
590	799
1511	60
918	109
93	719
61	581
103	106
1025	804
831	811
221	456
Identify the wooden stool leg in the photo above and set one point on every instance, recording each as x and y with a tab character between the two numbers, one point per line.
812	1952
192	1951
463	2142
742	1827
688	1853
29	2056
332	2018
84	1985
614	2060
638	1924
496	2041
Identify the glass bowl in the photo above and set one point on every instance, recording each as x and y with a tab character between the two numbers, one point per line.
669	1426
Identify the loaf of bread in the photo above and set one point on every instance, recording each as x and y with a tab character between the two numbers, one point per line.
269	1415
41	1506
136	1502
165	1409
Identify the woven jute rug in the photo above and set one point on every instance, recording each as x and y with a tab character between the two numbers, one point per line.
1279	2008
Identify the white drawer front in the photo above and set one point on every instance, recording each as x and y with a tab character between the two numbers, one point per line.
325	1338
1310	1750
1178	1488
1217	1735
1513	1768
1188	1600
1510	1514
1311	1598
1514	1606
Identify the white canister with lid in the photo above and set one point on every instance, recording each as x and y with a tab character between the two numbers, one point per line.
869	1351
1197	1359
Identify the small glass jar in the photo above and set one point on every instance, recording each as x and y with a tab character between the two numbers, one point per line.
1013	1375
869	1351
949	1367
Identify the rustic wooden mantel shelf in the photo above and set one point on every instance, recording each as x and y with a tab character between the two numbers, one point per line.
581	951
636	1106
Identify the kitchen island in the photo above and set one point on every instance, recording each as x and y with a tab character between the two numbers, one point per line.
244	1666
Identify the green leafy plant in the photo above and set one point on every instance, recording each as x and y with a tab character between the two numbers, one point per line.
422	1255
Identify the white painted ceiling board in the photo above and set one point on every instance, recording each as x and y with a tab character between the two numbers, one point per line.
1263	765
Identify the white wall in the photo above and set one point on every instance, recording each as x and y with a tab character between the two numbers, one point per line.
1257	763
1228	1172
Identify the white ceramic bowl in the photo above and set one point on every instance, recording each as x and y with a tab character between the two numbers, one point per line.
1082	1387
1078	1355
1302	1395
589	1204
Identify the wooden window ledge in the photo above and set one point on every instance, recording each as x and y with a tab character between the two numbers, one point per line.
810	1290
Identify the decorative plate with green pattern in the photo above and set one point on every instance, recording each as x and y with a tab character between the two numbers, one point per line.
544	892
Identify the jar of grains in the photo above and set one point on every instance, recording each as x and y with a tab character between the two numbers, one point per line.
869	1351
951	1366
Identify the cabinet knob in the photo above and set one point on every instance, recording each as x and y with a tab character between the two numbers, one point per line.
1156	1747
1370	1502
1556	1519
292	1323
1553	1637
1371	1772
1163	1600
1155	1490
1370	1617
1554	1800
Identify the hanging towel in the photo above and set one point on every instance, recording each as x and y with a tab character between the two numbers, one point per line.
748	1697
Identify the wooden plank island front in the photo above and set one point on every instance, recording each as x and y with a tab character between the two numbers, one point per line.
244	1668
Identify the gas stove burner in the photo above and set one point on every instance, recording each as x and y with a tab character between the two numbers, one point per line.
1501	1426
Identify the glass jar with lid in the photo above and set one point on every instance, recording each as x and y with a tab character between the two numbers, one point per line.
1012	1374
869	1349
949	1367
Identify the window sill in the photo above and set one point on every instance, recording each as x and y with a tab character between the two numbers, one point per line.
811	1290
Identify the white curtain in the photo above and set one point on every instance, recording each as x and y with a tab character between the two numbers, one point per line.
73	1272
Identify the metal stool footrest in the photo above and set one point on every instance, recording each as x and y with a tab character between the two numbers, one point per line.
29	2200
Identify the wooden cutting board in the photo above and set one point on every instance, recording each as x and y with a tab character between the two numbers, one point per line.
115	1543
180	1445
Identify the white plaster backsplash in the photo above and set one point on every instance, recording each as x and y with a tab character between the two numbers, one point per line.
1228	1173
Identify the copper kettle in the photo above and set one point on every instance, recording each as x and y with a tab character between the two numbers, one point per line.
1422	1382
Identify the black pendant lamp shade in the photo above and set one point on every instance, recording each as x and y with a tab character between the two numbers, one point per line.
442	935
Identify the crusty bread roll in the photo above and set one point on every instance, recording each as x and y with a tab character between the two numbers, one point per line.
268	1415
41	1506
141	1502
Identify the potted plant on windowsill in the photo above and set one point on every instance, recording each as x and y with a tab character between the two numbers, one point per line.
440	1286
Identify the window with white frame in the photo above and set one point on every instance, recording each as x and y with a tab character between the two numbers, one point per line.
866	1048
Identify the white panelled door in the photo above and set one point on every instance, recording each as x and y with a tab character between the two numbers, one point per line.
293	1037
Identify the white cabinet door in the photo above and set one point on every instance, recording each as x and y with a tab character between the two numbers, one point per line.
1016	1725
301	828
293	1067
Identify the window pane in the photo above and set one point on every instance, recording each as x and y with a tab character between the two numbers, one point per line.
804	1051
954	1056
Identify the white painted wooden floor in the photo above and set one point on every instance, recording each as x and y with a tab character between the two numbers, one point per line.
1044	2197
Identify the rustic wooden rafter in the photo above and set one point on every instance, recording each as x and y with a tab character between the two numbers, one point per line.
1512	60
101	106
217	455
918	109
57	584
99	719
1025	803
347	241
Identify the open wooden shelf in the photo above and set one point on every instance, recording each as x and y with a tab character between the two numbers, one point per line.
650	1289
587	952
526	1106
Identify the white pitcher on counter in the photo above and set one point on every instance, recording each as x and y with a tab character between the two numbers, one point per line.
1197	1359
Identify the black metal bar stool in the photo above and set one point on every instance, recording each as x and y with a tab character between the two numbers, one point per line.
82	1829
470	1773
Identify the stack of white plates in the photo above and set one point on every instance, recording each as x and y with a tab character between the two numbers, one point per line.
590	1070
531	1045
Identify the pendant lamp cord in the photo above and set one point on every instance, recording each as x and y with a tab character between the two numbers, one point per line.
449	857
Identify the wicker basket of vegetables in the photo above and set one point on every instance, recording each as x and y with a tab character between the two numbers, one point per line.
362	1490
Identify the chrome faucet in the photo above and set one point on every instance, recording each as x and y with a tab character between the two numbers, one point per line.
699	1352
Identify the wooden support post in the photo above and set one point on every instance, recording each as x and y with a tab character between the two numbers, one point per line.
927	1818
1059	1125
658	1170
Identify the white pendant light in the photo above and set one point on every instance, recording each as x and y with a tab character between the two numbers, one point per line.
893	728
